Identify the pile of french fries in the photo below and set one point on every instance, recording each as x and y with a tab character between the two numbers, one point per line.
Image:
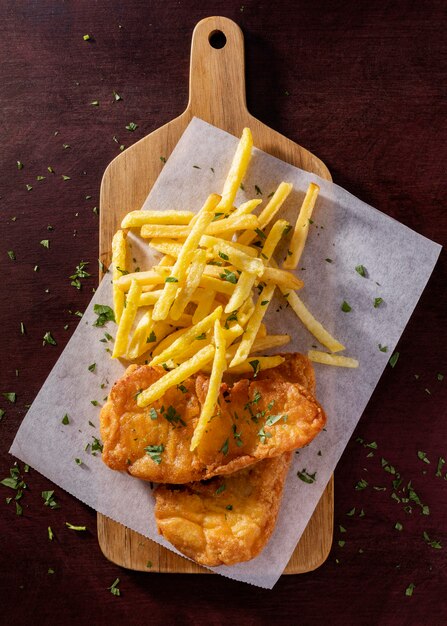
196	309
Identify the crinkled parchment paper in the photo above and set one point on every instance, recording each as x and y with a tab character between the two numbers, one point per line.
345	230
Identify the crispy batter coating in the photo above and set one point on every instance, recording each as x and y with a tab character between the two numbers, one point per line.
225	520
255	419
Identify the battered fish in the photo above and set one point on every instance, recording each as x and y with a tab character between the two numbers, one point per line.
256	418
227	519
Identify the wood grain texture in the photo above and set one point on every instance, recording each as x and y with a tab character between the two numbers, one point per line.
216	95
362	85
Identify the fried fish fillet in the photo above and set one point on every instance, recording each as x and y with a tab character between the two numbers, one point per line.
256	418
229	519
225	520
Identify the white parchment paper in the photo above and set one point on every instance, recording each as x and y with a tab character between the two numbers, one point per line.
346	231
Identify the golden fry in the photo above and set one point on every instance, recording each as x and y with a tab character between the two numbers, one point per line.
126	321
332	359
237	171
301	228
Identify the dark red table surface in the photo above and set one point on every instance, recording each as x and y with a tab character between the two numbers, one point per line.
363	86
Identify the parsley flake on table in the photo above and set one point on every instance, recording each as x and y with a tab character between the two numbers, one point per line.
50	533
49	339
361	484
65	177
19	165
345	307
87	38
116	97
48	498
409	590
94	103
432	542
45	243
393	360
398	526
441	462
12	255
306	477
423	456
105	314
72	527
131	126
79	273
29	187
440	376
10	395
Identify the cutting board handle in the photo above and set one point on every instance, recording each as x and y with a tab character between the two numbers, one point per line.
217	74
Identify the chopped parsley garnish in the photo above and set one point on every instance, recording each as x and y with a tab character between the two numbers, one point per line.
229	507
351	512
49	339
45	243
260	233
432	542
220	489
116	97
383	348
87	38
306	477
377	302
341	543
182	388
94	402
224	448
10	395
362	484
48	499
105	314
409	590
329	260
423	456
256	367
196	167
163	159
29	187
263	436
94	103
65	420
264	302
286	230
171	279
152	337
224	256
155	453
258	191
78	274
12	255
237	437
153	413
230	277
441	462
345	307
360	269
19	165
393	360
172	416
96	446
440	376
114	589
72	527
64	177
50	533
131	126
92	367
398	526
274	418
217	216
200	337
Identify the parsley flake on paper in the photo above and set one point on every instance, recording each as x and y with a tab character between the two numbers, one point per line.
360	269
306	477
345	307
105	314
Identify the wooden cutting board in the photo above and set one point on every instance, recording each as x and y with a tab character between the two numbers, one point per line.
216	95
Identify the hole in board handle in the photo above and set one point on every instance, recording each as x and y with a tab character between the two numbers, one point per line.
217	39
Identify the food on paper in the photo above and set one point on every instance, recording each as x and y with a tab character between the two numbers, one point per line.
257	418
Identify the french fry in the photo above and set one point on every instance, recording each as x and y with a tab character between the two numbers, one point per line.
138	343
192	282
282	278
246	207
184	321
183	341
168	340
205	302
161	309
242	291
126	321
256	364
119	263
232	224
237	171
209	241
163	231
301	228
332	359
254	322
262	332
219	366
246	311
272	208
261	344
149	277
176	376
136	219
314	327
149	298
273	238
215	284
167	246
